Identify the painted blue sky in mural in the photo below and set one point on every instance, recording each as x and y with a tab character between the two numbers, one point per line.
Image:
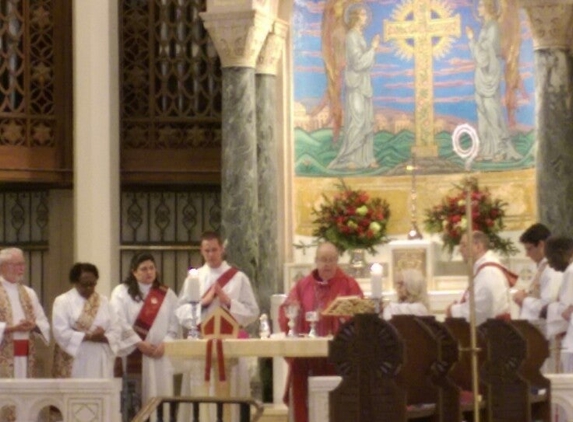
393	76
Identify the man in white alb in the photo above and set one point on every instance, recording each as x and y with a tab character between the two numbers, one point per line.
21	316
559	252
546	282
491	281
225	286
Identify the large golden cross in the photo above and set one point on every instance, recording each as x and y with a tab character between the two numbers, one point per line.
414	21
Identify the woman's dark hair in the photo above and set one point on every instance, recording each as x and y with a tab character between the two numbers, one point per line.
82	267
131	281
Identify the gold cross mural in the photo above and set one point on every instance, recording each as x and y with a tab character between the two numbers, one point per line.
421	21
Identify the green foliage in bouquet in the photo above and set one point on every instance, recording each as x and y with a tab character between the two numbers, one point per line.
449	217
352	220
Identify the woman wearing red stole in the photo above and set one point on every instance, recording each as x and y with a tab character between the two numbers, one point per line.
145	309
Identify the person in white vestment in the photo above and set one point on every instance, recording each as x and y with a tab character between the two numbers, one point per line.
220	285
491	281
85	327
21	318
559	252
146	310
545	284
412	293
236	295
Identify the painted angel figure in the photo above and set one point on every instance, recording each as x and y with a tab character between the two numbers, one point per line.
357	146
486	50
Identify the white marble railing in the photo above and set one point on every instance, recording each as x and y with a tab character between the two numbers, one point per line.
79	400
319	387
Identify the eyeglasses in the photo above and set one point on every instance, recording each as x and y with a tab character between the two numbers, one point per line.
17	264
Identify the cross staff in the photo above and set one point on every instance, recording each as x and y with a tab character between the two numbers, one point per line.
468	155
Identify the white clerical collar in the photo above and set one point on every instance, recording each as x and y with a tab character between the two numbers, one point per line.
144	288
8	285
220	269
489	256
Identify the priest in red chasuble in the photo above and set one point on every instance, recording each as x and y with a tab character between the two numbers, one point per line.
314	293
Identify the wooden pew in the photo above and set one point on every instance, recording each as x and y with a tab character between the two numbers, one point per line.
516	390
449	403
368	355
461	373
536	353
421	355
394	372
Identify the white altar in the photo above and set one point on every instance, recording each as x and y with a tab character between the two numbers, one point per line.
79	400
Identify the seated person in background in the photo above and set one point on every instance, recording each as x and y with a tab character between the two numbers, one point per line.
412	295
86	328
314	293
491	282
559	252
546	282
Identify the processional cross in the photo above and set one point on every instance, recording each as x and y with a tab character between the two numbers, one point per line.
416	20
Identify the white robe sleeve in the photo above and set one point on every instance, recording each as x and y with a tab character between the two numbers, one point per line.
42	324
128	338
113	330
555	322
244	307
63	319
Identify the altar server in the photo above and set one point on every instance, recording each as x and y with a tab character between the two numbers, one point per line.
545	284
219	285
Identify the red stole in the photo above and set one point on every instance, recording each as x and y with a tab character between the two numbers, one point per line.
149	310
141	326
509	275
223	279
209	327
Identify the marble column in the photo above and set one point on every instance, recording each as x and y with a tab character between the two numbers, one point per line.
551	23
96	138
238	37
269	271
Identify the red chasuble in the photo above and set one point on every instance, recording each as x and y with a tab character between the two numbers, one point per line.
311	293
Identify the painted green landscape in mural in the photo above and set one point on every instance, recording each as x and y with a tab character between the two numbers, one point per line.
314	151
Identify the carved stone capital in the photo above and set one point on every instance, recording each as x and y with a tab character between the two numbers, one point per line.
551	22
272	49
238	36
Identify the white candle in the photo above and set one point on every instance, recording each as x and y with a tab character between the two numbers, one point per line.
194	285
376	271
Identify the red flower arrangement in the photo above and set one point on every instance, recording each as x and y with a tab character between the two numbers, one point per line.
449	217
352	220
